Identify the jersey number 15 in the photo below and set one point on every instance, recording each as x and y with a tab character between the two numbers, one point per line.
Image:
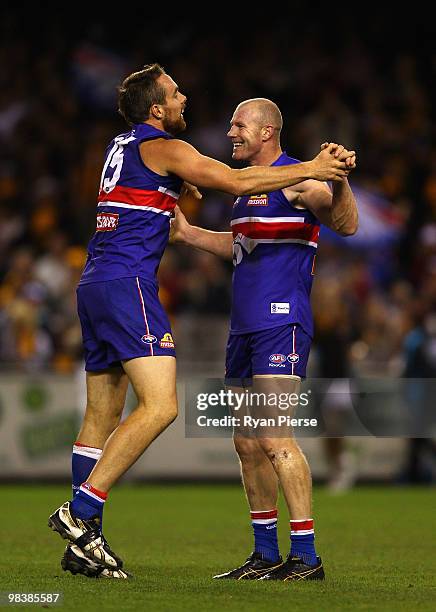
114	161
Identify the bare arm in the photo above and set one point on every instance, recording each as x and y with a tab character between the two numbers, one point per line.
344	213
217	243
180	158
337	210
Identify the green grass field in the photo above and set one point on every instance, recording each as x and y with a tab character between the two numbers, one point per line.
377	544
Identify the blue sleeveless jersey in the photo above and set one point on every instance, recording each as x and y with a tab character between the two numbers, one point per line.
133	212
274	246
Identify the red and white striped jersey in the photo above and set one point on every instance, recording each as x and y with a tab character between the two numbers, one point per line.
133	212
274	246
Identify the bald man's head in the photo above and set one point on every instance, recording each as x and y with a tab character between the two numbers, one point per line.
255	131
265	112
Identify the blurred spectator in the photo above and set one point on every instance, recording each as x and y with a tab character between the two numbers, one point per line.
420	371
57	115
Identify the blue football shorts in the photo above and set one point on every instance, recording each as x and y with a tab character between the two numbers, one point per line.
281	350
122	319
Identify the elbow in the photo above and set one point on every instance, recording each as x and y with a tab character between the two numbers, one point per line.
350	227
349	230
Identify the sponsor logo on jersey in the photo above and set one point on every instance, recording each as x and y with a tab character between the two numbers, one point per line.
279	307
293	357
277	360
148	339
258	200
107	222
167	341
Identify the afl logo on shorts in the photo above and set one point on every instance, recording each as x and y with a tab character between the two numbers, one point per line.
277	358
148	339
293	357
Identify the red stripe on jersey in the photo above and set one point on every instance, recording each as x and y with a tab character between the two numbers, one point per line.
302	525
266	514
256	229
138	197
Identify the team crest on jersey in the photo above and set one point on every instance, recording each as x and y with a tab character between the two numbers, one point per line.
148	339
107	222
167	341
293	357
258	200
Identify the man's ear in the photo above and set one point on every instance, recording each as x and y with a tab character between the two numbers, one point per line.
267	132
156	111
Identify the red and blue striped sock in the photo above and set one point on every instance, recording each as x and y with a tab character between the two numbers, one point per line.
83	460
265	533
88	502
303	541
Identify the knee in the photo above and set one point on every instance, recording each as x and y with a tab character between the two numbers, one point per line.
166	411
171	414
247	448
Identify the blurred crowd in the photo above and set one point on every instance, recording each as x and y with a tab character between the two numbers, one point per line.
374	303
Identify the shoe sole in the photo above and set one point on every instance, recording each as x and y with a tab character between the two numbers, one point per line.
76	568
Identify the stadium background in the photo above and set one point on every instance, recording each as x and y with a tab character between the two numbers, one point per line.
351	78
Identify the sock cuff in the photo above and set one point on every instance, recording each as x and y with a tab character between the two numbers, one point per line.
263	517
301	526
86	451
88	489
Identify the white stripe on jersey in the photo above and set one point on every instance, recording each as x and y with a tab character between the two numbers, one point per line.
274	240
167	213
268	220
173	194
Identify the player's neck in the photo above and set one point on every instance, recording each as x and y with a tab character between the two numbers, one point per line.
266	157
155	123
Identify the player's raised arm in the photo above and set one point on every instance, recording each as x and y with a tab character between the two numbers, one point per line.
338	209
180	158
